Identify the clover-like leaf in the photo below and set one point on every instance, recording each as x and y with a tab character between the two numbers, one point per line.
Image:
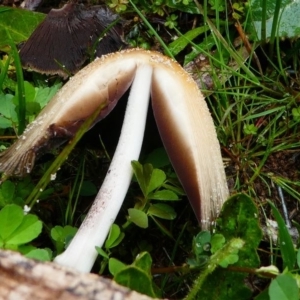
16	228
138	217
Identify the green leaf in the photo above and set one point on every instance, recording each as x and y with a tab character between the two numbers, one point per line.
62	236
29	229
115	266
11	217
179	44
57	233
39	254
113	235
284	287
17	228
156	180
88	189
137	276
29	91
138	217
227	255
19	23
5	123
264	295
217	242
102	252
135	279
7	192
8	108
209	284
286	244
238	220
162	211
45	94
164	195
118	240
287	24
138	171
143	261
158	158
201	243
298	258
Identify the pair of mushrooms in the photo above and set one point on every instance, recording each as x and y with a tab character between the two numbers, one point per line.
183	120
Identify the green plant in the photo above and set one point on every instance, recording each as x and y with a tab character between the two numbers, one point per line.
17	228
115	237
154	186
250	77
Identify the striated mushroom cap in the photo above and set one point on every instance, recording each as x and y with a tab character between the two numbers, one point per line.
60	44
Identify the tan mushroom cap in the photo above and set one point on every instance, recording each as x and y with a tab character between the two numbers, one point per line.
182	116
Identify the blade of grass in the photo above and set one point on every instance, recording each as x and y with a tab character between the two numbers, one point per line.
32	198
20	84
227	47
286	244
274	27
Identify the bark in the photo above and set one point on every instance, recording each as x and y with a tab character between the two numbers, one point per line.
23	278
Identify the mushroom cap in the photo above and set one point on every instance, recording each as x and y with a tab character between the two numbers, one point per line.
60	44
181	113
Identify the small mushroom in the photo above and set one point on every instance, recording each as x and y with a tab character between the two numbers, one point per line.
183	120
60	44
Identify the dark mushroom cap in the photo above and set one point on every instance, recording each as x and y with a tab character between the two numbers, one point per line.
61	43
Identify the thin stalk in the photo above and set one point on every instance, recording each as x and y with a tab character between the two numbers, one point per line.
81	253
227	46
275	26
20	84
263	20
32	198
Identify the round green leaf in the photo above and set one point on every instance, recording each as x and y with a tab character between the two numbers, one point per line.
115	266
39	254
284	287
112	236
138	217
162	211
28	230
11	216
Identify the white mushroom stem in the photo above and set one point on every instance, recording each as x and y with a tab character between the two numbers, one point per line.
183	120
81	252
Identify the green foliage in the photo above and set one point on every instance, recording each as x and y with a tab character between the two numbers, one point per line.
137	276
234	243
115	237
17	24
11	192
284	287
118	5
256	113
16	228
40	254
250	129
62	236
285	241
281	21
154	186
184	40
171	21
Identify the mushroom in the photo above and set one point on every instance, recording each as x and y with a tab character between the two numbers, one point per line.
60	44
183	120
